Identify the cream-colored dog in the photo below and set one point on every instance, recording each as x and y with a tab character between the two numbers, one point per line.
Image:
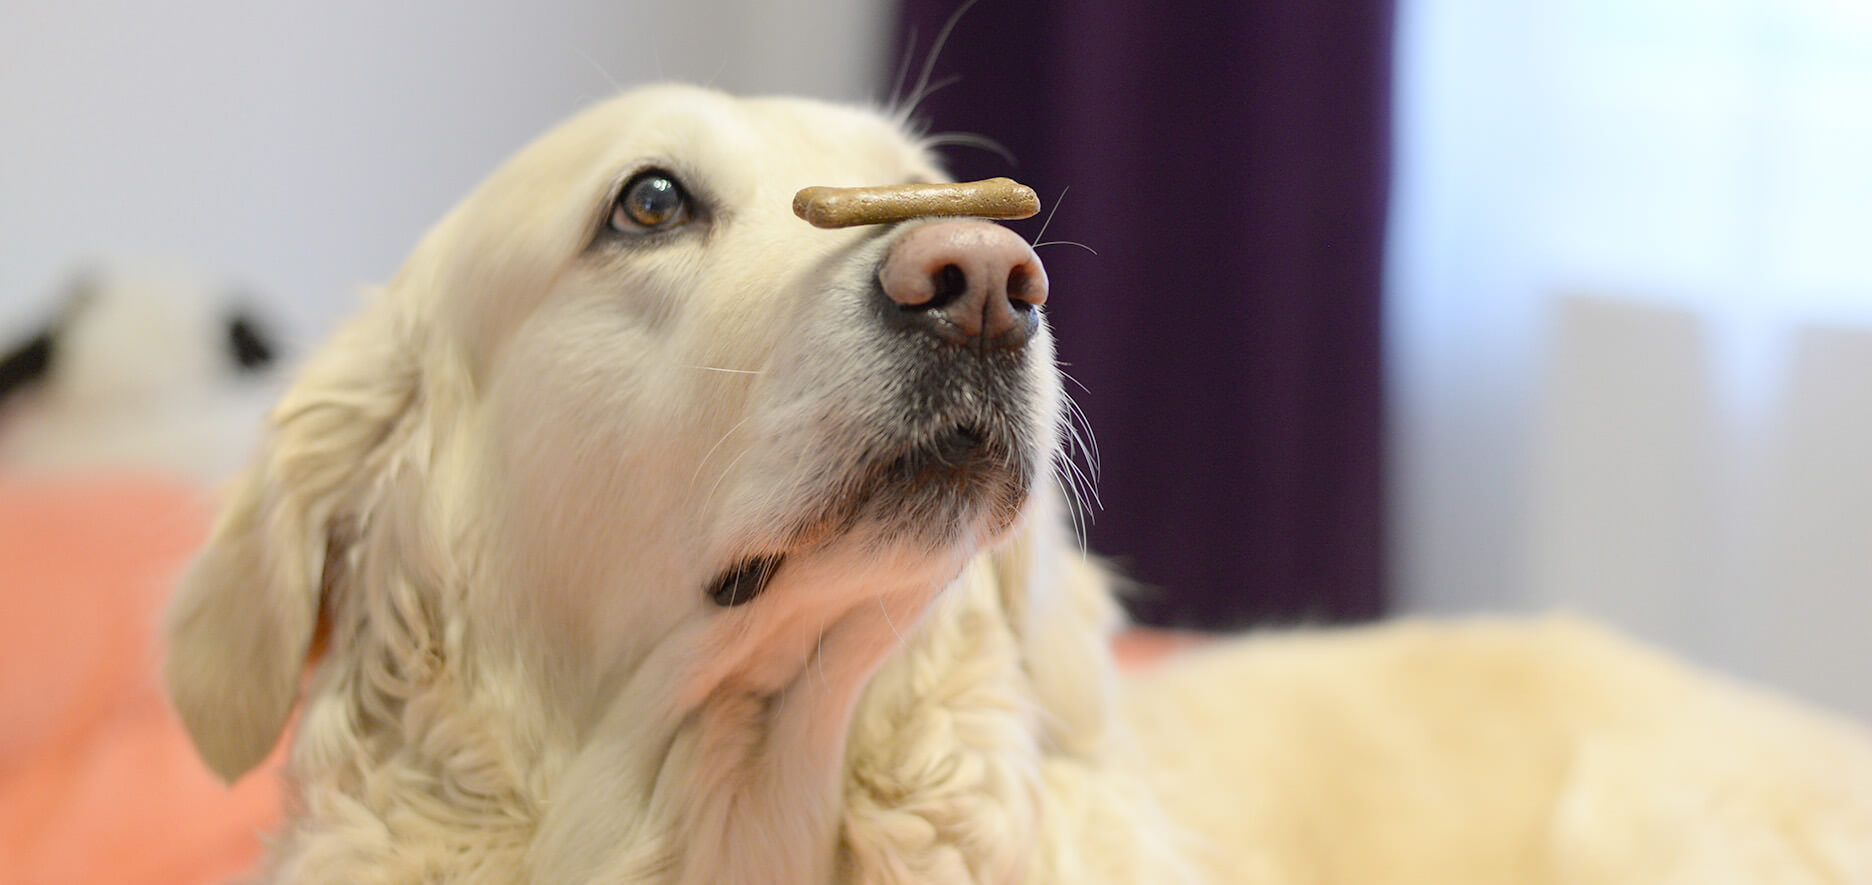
640	532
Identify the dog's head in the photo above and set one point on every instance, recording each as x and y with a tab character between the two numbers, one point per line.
622	396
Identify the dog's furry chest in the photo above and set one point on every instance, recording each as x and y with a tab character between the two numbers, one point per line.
942	776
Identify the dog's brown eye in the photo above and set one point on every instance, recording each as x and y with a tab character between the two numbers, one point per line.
650	201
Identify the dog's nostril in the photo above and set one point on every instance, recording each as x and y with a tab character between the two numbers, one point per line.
1019	287
966	281
947	284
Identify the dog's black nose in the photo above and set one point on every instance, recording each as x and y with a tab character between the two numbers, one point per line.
967	281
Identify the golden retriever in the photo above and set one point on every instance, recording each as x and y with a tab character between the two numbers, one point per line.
638	531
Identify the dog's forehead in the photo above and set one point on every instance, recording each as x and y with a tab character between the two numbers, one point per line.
753	152
841	137
487	261
765	137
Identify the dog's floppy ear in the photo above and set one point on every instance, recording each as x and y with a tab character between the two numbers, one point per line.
244	618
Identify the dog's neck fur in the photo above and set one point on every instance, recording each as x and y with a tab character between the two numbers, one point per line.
765	759
732	750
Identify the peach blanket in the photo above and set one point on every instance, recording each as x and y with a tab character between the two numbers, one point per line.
98	783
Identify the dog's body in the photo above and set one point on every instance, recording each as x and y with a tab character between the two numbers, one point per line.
642	533
1497	751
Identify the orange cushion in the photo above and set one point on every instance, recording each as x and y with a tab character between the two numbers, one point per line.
1142	648
98	782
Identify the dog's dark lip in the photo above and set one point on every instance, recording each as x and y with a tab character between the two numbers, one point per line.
745	580
959	443
949	452
927	488
946	451
942	480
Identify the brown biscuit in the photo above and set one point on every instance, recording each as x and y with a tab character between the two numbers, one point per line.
1001	198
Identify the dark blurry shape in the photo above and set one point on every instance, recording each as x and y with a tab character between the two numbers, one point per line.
30	356
250	344
26	364
1228	162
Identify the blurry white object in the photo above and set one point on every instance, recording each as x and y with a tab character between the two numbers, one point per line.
1666	454
126	132
1810	512
152	370
1625	473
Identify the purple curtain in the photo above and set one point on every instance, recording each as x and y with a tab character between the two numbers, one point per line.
1228	162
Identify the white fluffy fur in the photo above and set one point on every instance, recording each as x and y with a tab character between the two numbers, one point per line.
495	498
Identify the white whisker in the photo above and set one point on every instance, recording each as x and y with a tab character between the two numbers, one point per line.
1050	212
718	444
819	656
1075	501
882	609
970	139
1068	376
1088	486
1076	422
903	70
1066	243
710	497
615	85
923	88
925	92
720	67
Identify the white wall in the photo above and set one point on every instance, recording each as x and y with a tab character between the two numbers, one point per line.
1630	324
303	147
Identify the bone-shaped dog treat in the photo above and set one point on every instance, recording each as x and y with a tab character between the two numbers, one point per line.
1001	198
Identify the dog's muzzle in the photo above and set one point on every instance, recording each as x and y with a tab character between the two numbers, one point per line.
966	282
963	296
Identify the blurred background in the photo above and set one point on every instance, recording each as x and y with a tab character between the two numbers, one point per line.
1441	306
1446	306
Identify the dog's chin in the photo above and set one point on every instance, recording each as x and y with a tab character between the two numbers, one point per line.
943	492
961	483
962	480
941	460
